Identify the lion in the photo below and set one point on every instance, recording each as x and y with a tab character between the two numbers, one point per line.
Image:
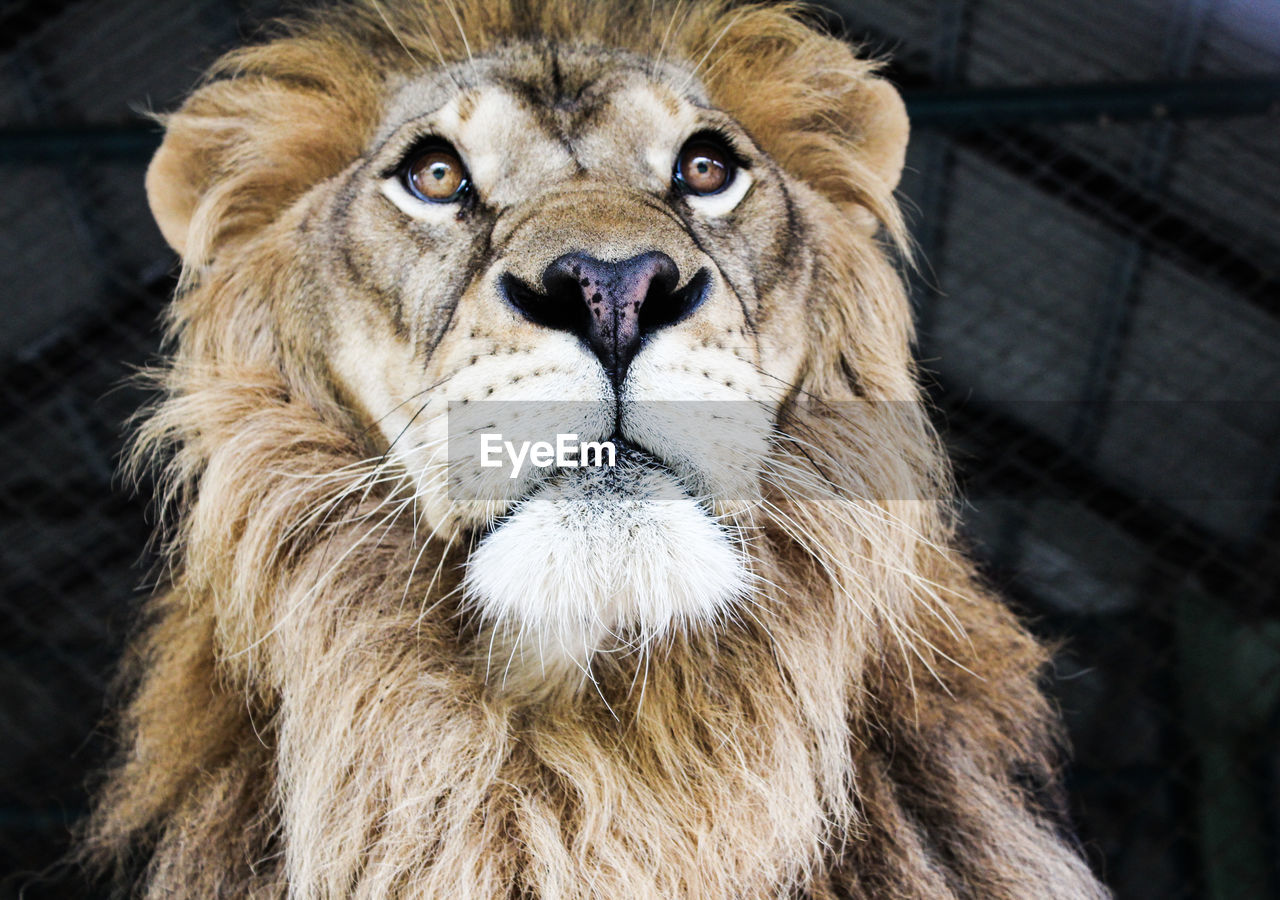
746	658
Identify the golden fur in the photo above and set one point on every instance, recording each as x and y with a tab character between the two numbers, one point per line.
871	727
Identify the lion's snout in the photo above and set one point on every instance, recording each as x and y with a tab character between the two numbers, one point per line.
611	306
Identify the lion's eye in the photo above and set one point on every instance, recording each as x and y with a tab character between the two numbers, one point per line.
704	166
436	174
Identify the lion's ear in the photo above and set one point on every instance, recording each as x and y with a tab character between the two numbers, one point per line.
208	170
243	148
231	157
176	180
880	118
818	109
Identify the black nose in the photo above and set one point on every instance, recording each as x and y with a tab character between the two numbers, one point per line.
612	306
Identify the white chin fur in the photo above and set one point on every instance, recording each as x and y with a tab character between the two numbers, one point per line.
600	560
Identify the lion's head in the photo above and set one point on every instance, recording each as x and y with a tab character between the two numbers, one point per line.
602	237
659	226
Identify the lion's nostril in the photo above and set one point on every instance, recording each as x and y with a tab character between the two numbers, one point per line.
664	305
612	306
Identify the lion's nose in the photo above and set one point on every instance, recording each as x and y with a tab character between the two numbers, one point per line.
612	306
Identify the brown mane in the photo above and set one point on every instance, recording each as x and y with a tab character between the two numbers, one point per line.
873	729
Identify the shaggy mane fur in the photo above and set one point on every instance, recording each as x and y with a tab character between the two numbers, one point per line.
303	717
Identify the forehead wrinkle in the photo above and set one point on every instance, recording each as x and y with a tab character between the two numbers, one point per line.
543	113
568	88
561	117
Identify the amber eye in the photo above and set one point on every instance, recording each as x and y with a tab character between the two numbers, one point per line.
704	166
436	175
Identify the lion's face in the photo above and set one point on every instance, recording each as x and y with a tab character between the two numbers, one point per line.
570	242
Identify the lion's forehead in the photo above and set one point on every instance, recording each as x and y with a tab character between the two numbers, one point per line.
526	117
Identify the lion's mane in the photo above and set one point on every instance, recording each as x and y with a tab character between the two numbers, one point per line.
871	727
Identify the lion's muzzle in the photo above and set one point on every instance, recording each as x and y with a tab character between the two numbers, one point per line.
611	306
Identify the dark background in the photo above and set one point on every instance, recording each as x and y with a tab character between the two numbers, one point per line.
1095	186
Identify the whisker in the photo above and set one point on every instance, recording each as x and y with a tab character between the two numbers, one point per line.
395	34
723	31
453	11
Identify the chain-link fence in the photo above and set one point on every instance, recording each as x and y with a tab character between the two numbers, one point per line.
1096	193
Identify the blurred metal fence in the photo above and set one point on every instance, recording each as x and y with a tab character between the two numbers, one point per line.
1096	192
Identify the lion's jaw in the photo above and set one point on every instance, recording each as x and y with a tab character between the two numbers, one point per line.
572	562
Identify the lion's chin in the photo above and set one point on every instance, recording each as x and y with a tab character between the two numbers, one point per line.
601	560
